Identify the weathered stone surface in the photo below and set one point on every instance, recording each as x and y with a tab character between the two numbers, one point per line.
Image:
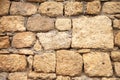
44	76
30	62
117	39
97	64
110	79
63	24
36	0
93	7
4	42
111	7
51	8
3	76
117	68
39	23
21	8
37	46
45	62
12	62
17	75
89	33
23	39
63	78
2	51
54	40
83	51
12	23
115	55
25	51
68	63
4	7
117	16
73	8
116	23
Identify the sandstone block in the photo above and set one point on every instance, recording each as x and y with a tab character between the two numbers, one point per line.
117	68
36	0
116	23
110	78
3	76
4	42
25	51
115	55
117	39
63	78
37	46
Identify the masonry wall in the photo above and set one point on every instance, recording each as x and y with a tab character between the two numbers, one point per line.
59	40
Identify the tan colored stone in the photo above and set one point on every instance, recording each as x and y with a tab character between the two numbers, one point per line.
54	40
39	23
3	76
69	63
63	78
21	8
51	8
89	33
73	8
25	51
117	39
36	0
63	24
4	51
12	23
44	76
93	7
17	76
37	46
116	23
115	55
4	7
111	7
83	51
97	64
23	39
45	62
30	62
12	62
110	79
4	42
117	16
117	68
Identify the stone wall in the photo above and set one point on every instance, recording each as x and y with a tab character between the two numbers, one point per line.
60	40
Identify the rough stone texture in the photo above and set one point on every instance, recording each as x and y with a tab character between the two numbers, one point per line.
45	62
4	7
116	23
12	62
117	39
117	68
3	76
83	51
36	0
37	46
111	7
63	24
4	42
68	63
97	64
115	55
23	39
89	33
110	79
73	8
44	76
17	75
25	52
54	40
30	62
12	23
21	8
93	7
4	51
63	78
51	8
39	23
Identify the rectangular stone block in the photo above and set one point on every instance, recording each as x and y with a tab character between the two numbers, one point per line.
4	42
117	68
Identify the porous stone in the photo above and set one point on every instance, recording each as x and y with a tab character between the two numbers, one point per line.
117	68
117	39
17	75
22	8
4	7
54	40
23	39
44	76
68	63
89	33
110	78
37	46
93	7
4	42
51	8
12	62
63	78
117	16
116	23
115	55
4	51
97	64
36	0
30	62
111	7
63	24
25	51
40	23
83	51
73	8
45	62
12	23
3	76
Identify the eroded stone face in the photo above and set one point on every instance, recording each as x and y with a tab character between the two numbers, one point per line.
12	23
36	0
3	76
117	68
89	33
51	8
116	23
117	39
12	62
4	42
63	78
110	78
68	63
115	55
23	39
54	40
97	64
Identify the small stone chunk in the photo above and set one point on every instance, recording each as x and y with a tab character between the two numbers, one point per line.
117	68
115	55
4	51
25	51
36	0
116	23
83	51
30	62
63	78
110	79
37	46
117	39
4	42
3	76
